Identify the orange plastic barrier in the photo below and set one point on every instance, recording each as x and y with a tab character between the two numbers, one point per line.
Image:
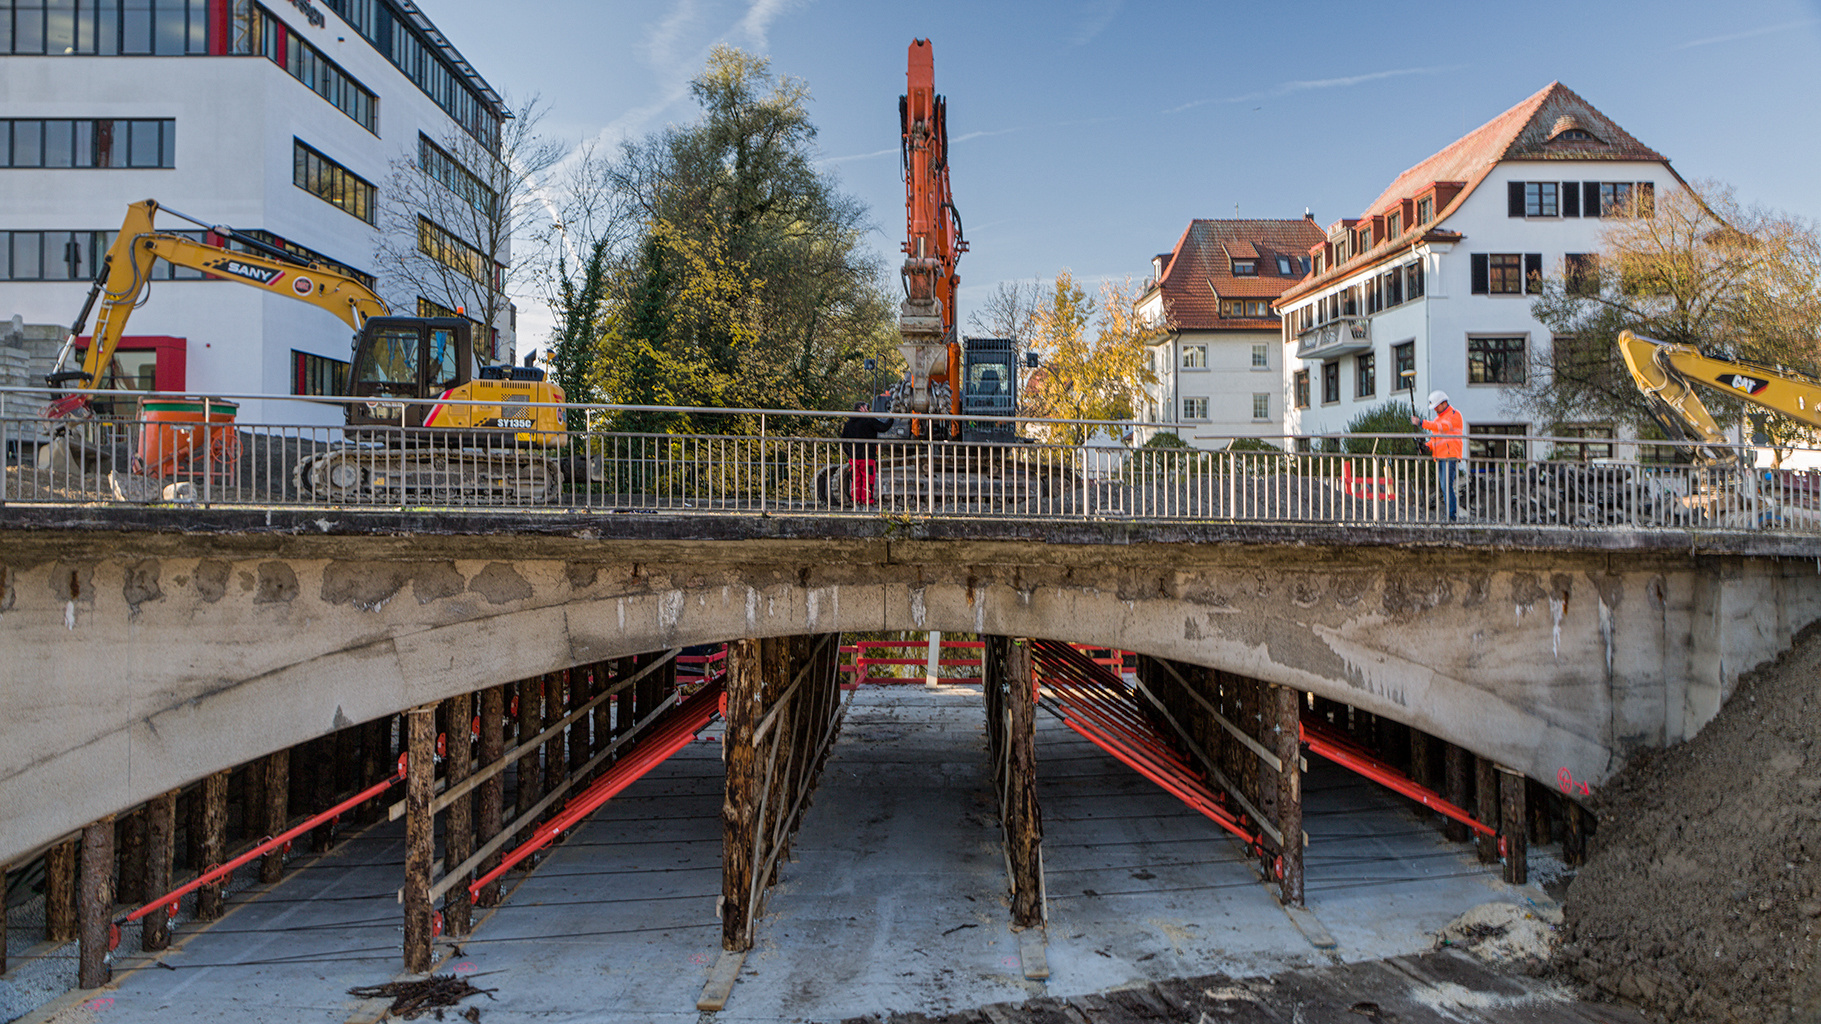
176	429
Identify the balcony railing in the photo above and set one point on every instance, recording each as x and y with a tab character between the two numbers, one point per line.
781	462
1341	337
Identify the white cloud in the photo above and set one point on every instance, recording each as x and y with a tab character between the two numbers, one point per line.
1306	85
1100	14
759	17
1748	34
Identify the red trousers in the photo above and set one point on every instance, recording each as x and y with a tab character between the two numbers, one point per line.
862	473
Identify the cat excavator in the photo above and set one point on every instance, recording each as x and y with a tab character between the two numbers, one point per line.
405	436
1666	374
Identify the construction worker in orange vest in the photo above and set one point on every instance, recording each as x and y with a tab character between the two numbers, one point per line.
1449	432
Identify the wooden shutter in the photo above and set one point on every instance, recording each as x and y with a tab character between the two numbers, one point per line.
1480	286
1533	273
1571	199
1590	199
1514	199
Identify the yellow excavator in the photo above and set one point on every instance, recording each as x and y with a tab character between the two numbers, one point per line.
1666	375
406	438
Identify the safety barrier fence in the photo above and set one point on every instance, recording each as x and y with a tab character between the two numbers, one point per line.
773	462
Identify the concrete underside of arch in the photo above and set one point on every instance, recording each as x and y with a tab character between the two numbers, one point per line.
146	652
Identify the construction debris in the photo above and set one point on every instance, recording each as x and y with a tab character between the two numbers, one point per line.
411	999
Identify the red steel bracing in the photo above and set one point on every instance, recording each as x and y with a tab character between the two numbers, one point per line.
1324	739
681	726
1095	702
169	899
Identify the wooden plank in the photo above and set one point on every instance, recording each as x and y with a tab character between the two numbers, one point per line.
60	892
1263	752
1311	927
1033	954
721	977
1220	778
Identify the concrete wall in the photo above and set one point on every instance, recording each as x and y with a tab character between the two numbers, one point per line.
142	661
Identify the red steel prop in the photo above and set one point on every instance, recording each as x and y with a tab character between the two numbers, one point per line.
169	899
1322	738
1095	703
689	718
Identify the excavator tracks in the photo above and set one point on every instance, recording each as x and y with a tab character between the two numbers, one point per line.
385	475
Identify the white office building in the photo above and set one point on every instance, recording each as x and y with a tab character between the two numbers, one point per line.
1438	274
282	119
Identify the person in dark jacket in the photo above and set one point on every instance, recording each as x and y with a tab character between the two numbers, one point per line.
861	446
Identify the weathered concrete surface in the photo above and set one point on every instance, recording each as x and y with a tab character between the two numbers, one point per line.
146	648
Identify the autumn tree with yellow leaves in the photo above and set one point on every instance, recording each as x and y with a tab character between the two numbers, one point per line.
1092	358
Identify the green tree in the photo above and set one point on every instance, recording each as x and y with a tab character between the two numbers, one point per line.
748	285
581	313
1389	418
1691	267
1102	378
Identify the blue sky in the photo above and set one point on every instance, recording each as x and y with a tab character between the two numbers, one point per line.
1087	133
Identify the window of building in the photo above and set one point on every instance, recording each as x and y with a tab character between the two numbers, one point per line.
1261	406
72	256
1507	273
1285	267
1495	360
442	167
1495	440
1195	357
1588	450
1299	387
436	242
332	183
1330	383
260	32
428	62
1534	199
1194	408
1245	268
312	374
304	253
1581	273
1618	198
64	28
1425	210
1365	375
110	143
1413	280
430	307
1403	362
1394	225
1261	357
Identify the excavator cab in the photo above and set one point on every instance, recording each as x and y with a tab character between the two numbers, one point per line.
990	375
398	358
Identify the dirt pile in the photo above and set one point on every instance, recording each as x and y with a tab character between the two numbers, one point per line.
1701	897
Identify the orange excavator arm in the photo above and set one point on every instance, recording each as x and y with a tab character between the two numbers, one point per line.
128	265
933	241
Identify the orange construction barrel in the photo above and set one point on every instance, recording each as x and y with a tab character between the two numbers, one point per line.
176	428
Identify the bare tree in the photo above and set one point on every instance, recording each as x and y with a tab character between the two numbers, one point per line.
1010	312
449	214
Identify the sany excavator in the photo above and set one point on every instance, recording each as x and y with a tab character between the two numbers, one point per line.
406	438
1666	374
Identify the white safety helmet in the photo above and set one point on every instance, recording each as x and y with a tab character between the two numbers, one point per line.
1437	399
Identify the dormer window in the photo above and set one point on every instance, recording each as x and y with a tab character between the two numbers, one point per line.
1425	210
1394	225
1567	128
1284	266
1245	268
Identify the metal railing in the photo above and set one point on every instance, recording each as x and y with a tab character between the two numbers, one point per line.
781	462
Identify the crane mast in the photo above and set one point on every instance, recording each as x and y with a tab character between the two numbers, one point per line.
933	243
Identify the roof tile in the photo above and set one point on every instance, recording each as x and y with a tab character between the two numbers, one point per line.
1200	268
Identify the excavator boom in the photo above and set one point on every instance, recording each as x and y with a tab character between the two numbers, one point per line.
1667	374
933	243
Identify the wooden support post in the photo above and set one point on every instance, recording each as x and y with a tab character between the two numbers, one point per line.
277	811
375	759
129	846
1422	770
160	851
1574	834
1455	776
622	702
1542	829
3	870
189	817
1024	831
1290	791
1514	825
1486	807
346	751
493	791
95	903
250	787
420	823
580	741
60	892
214	845
739	807
530	788
603	712
556	758
322	791
458	822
